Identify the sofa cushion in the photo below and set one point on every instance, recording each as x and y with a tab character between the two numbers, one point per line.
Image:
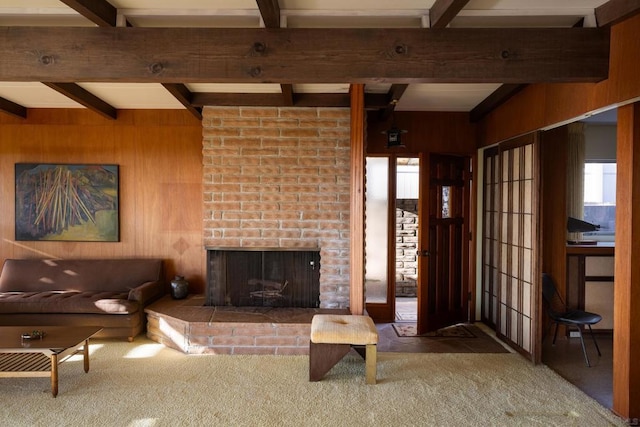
67	302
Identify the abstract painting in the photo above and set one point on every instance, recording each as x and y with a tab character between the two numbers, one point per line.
67	202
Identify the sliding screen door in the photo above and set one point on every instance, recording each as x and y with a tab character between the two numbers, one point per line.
518	230
511	270
491	244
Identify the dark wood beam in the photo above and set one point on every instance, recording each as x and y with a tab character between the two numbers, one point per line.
12	108
100	12
270	11
615	11
287	94
443	11
491	102
84	97
304	55
184	95
201	99
395	93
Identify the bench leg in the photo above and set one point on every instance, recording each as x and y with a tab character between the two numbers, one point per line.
370	364
323	357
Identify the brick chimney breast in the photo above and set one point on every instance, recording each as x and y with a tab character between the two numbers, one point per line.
278	178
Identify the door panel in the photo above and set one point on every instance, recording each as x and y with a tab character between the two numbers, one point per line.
443	265
379	242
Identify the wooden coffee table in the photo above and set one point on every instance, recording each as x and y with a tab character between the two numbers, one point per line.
40	357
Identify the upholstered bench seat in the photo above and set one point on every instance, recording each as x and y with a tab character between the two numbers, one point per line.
333	336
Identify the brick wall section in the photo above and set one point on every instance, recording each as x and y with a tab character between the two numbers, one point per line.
279	178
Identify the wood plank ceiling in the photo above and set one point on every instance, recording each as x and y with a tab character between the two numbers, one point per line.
444	55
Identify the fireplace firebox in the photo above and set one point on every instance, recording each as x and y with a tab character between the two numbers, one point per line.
263	278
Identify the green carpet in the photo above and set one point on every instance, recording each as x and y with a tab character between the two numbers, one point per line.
145	384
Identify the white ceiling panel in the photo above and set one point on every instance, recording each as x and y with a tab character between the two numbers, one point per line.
235	87
321	88
133	95
35	95
444	97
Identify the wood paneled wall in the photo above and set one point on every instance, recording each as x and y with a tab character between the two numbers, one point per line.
159	154
554	209
435	132
541	105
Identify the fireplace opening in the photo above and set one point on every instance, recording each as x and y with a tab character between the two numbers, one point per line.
263	278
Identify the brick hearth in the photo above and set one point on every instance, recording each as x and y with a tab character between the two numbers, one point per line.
193	328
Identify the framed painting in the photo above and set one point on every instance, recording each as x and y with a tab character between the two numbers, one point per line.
67	202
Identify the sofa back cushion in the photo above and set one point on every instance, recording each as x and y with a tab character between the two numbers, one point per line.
34	275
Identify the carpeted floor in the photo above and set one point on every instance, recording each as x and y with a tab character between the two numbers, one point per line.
145	384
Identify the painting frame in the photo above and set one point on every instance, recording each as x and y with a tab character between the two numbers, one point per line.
71	202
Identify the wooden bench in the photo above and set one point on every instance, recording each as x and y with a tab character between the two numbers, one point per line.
333	336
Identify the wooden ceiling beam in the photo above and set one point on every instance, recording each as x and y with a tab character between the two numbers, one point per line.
184	95
287	94
12	108
247	55
491	102
615	11
270	11
201	99
395	93
84	97
443	11
100	12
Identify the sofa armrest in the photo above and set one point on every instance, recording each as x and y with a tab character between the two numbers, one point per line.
147	292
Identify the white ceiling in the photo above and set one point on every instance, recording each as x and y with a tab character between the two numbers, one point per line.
294	14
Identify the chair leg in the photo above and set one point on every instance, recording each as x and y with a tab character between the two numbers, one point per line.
323	357
594	340
584	349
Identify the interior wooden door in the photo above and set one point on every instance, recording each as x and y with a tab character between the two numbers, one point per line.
443	295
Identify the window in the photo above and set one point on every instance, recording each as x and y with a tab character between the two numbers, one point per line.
600	199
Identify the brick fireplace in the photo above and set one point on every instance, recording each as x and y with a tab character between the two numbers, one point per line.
275	180
278	178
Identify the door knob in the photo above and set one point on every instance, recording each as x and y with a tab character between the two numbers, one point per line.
424	253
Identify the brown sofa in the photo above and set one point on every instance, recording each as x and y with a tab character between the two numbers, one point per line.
110	293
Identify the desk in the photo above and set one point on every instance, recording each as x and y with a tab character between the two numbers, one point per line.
590	278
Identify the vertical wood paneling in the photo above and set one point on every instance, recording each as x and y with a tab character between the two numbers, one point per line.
427	131
554	208
356	228
541	105
626	329
159	158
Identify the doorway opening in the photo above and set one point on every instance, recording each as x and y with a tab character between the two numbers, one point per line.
392	224
407	222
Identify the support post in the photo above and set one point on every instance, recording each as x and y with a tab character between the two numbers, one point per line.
356	219
626	330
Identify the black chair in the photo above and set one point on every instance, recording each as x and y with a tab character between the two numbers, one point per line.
570	318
